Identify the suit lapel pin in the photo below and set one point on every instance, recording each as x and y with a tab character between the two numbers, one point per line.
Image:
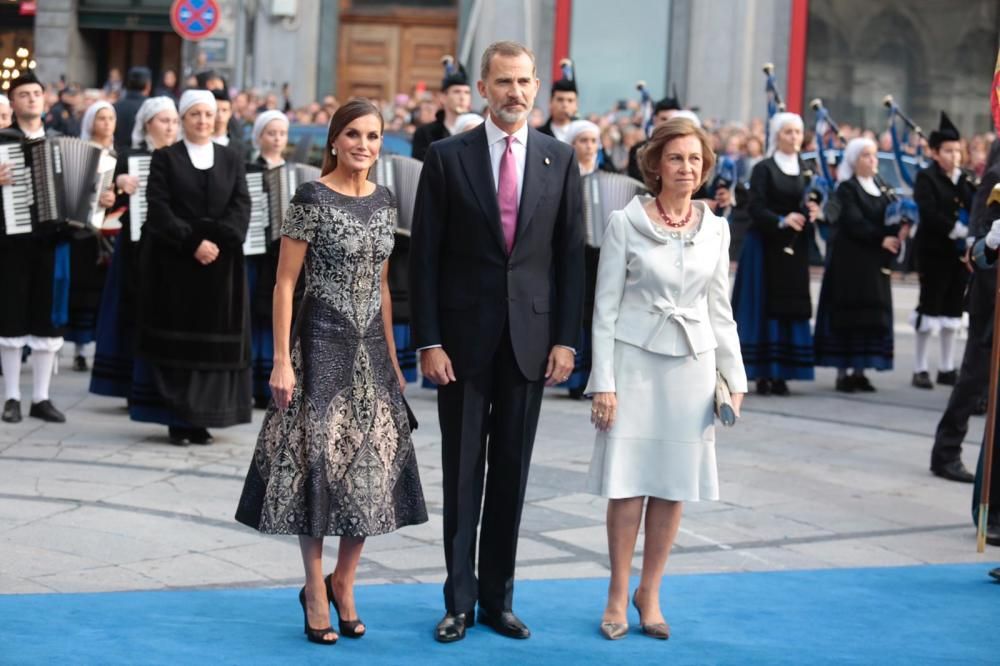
547	161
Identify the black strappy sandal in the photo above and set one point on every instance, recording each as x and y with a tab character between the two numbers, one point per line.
348	628
314	635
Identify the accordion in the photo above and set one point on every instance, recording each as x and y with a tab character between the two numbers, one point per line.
401	175
271	192
54	183
604	193
138	168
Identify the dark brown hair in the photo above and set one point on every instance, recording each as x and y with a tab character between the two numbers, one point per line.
354	108
652	153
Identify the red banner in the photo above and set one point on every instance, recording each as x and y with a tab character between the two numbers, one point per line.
995	97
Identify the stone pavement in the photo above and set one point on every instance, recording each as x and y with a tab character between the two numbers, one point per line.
814	480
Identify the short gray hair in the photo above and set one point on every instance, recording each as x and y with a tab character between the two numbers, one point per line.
507	49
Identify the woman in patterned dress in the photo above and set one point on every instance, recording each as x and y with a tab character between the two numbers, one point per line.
334	456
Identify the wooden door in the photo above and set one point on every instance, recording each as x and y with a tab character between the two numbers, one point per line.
368	63
420	53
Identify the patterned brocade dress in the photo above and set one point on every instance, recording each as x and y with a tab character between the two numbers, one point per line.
339	461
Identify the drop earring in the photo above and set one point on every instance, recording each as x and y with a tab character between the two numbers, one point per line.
333	151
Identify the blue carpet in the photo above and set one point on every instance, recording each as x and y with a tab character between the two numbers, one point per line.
907	615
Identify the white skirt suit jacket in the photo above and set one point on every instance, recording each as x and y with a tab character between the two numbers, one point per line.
663	324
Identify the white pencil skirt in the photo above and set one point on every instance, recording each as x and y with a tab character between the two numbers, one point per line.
663	441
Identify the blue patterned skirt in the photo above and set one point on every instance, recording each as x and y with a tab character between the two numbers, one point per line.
772	348
113	358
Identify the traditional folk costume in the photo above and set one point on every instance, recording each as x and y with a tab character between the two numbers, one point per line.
944	201
854	315
193	342
34	272
771	294
114	356
425	135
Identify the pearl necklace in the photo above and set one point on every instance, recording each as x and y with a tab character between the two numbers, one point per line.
666	218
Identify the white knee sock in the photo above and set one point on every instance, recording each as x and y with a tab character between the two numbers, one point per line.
948	337
923	338
10	360
42	363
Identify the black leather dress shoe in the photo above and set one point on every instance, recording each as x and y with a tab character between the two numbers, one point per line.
46	411
921	380
178	436
845	385
80	364
504	623
862	384
763	387
780	387
993	535
452	627
12	411
949	378
954	471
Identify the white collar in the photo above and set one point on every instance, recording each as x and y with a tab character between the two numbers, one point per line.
495	134
202	155
35	135
955	175
867	183
789	164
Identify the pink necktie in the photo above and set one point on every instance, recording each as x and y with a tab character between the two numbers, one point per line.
507	195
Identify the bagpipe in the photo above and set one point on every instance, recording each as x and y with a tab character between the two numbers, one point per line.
774	102
647	106
902	212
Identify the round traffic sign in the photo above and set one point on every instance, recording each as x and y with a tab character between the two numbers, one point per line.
194	19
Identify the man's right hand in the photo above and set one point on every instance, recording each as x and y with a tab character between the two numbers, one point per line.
436	366
6	175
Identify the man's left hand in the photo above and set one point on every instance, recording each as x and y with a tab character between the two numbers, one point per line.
560	366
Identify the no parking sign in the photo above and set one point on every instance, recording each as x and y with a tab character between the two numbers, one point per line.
194	19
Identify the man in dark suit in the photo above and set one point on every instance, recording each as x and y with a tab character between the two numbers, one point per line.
496	275
456	98
137	87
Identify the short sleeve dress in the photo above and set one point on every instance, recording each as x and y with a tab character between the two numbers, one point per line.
340	460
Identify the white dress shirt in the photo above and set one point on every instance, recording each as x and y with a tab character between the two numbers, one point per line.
496	138
40	134
202	155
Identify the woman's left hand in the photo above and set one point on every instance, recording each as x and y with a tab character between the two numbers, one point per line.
107	199
815	212
737	402
399	377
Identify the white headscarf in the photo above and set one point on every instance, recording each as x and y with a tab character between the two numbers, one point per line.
467	121
845	170
690	115
149	109
578	127
4	100
778	121
262	121
87	124
192	97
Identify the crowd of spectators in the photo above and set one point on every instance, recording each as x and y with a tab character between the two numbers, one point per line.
621	128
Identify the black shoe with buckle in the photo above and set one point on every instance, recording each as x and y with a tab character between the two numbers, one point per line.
12	411
504	623
780	387
178	436
46	411
922	380
452	627
199	436
953	471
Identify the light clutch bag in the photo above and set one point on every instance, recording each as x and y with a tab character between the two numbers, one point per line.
724	401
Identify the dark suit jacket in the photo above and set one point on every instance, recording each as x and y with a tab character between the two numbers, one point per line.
465	288
126	109
427	134
939	201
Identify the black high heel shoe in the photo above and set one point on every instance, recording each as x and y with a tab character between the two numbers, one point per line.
314	635
348	628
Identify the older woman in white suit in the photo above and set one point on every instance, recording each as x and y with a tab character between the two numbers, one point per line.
663	327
